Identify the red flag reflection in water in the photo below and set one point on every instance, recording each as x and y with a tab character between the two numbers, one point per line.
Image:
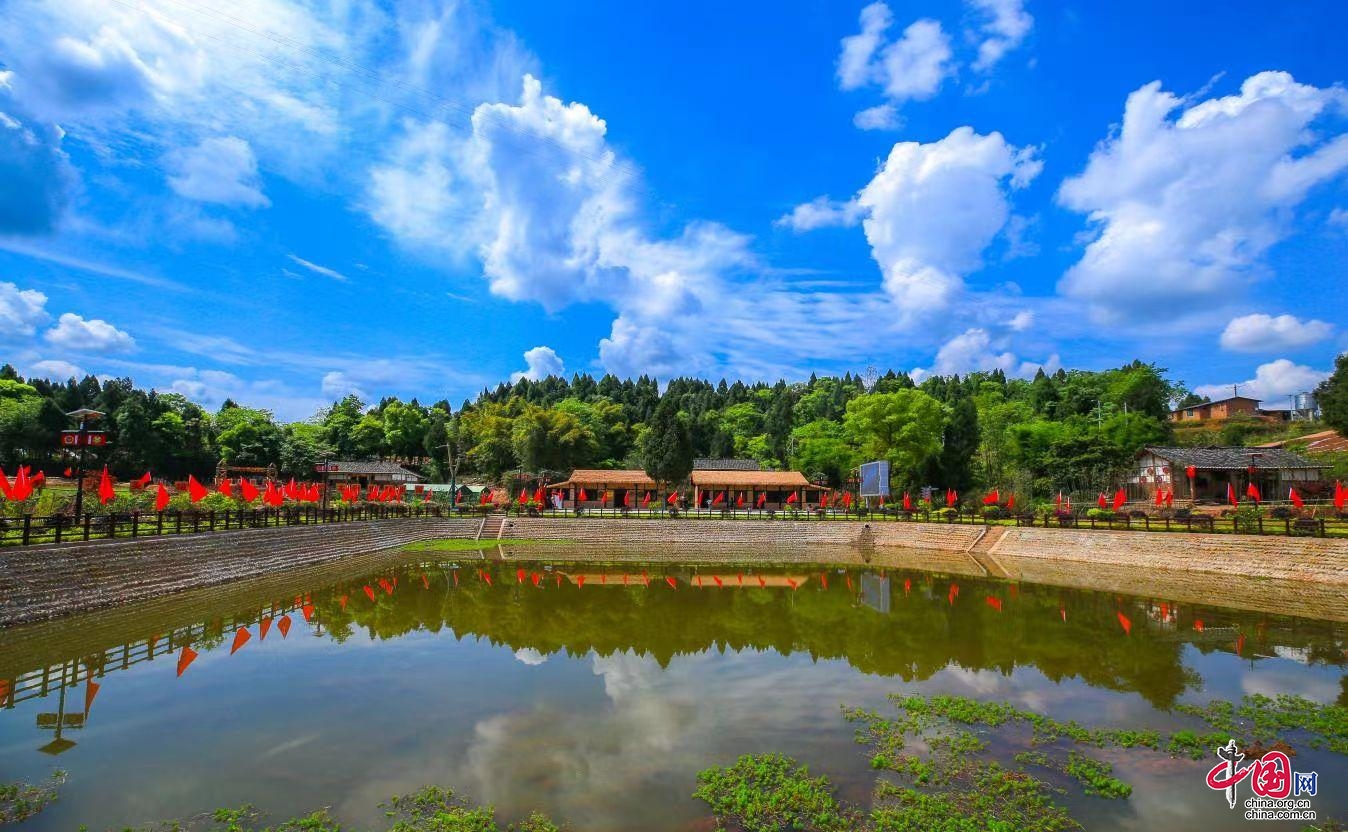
559	581
537	578
792	583
1198	624
762	582
519	576
848	578
241	637
185	657
603	577
699	581
741	578
386	586
90	693
580	581
369	592
1125	624
456	577
1063	612
486	578
670	581
995	603
4	684
645	577
907	585
284	625
1240	644
263	627
308	610
425	581
717	578
823	580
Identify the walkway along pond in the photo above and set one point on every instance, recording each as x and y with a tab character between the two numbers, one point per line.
594	686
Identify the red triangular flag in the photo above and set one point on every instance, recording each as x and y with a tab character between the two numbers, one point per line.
241	637
847	499
992	498
161	499
672	498
283	624
185	657
1231	495
582	496
1296	498
762	500
248	490
105	490
195	490
226	487
1252	491
1119	499
646	499
143	480
907	501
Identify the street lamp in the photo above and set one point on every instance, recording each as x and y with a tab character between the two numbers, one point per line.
81	438
453	464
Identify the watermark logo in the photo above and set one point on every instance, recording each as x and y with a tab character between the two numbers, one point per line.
1278	791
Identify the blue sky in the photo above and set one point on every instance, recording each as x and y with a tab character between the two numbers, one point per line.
281	202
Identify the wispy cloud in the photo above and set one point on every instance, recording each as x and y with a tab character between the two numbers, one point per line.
317	269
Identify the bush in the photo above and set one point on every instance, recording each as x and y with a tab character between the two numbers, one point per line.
1100	514
995	513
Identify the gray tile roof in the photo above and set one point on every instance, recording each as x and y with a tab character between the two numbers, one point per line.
367	468
705	464
1227	459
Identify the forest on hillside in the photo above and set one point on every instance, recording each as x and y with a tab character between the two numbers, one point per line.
1072	430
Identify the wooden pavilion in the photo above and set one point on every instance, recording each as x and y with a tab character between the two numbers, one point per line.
776	486
597	488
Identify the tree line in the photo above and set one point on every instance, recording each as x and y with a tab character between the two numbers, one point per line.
1067	430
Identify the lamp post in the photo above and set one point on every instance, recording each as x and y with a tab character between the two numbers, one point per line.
81	440
453	463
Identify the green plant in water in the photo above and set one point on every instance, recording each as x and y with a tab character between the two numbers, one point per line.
770	792
20	801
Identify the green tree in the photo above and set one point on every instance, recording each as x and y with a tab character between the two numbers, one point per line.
822	448
666	448
1332	396
248	436
904	427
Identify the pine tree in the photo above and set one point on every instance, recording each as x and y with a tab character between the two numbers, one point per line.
666	447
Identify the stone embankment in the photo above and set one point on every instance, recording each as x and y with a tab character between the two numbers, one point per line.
43	582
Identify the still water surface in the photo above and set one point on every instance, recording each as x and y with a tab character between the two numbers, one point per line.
594	696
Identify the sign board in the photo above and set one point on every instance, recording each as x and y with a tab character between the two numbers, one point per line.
875	478
90	439
328	468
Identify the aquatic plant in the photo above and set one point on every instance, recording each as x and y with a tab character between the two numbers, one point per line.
769	792
20	801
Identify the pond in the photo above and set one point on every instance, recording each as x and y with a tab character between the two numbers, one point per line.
595	692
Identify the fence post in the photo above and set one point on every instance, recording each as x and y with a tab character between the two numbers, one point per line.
1261	524
60	524
159	524
86	526
112	525
27	528
135	523
178	523
212	519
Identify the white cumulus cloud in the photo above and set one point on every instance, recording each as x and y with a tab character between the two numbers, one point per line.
221	170
930	212
21	310
976	350
1004	25
1267	333
540	362
55	370
73	332
1187	196
1274	380
911	68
